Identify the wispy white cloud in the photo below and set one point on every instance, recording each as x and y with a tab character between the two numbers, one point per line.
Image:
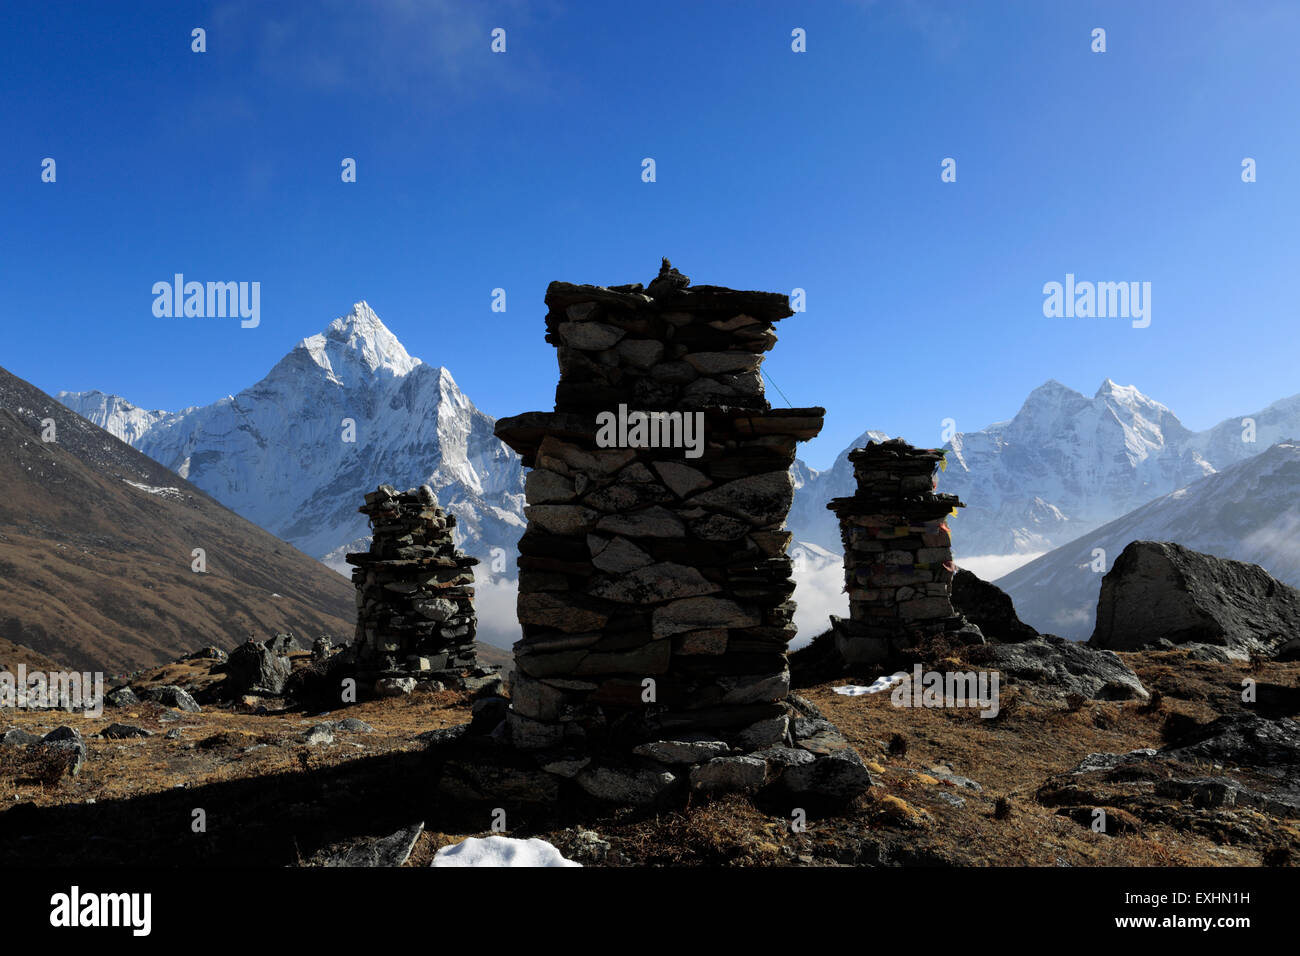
422	50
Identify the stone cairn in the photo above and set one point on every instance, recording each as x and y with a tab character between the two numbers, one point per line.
898	566
654	582
415	595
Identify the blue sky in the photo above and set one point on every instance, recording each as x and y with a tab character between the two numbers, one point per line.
776	170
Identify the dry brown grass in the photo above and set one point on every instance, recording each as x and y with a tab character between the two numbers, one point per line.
911	815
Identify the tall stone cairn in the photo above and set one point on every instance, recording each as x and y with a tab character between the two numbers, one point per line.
415	594
898	566
655	587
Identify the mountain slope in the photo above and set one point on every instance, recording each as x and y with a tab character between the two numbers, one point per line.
1250	511
96	543
277	453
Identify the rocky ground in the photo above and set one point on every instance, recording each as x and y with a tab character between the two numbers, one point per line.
1193	776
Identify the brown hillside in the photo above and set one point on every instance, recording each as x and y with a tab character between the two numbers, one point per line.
96	572
11	655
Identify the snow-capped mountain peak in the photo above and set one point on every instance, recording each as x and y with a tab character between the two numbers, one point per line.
345	410
358	344
1066	464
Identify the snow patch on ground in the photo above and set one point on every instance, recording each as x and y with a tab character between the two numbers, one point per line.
879	684
501	851
151	489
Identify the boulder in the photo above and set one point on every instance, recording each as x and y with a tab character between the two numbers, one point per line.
1160	590
353	725
395	686
392	850
283	644
254	668
691	750
123	732
1064	667
17	738
989	608
626	787
318	735
173	696
1200	783
121	697
729	775
840	775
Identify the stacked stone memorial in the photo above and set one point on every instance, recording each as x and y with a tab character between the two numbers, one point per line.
654	582
415	594
898	566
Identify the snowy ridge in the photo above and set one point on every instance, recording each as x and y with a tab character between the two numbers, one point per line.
1063	466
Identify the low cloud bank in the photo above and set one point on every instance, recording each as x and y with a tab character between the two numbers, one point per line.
990	567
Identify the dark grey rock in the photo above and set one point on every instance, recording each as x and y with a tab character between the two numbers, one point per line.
743	774
353	725
485	685
61	733
1243	739
443	735
209	653
837	776
1064	667
685	751
282	645
124	731
254	668
17	738
626	787
173	696
392	850
779	758
395	686
1158	589
121	697
318	735
1255	761
989	608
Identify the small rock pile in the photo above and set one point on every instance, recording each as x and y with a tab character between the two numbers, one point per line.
415	595
898	566
653	577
